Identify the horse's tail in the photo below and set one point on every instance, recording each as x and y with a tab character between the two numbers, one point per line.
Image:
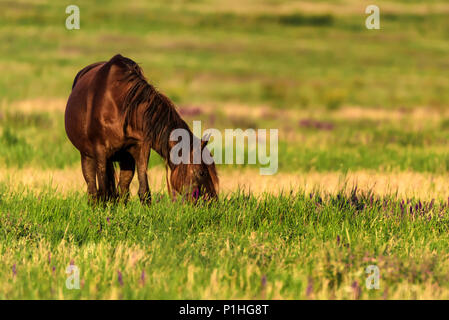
84	71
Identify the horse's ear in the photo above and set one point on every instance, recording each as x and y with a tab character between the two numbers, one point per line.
205	140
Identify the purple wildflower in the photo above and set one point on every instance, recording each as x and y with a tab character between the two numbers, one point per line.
196	193
119	277
190	111
385	294
356	290
309	289
212	119
264	281
315	124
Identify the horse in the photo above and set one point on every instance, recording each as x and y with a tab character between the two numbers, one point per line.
114	115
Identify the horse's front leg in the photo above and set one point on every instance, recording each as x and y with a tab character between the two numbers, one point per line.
142	156
127	168
111	190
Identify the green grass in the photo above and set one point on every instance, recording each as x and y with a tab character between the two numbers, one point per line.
285	60
311	65
38	140
296	60
225	250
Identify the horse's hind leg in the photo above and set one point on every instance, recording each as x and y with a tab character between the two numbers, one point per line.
102	177
88	166
106	178
127	168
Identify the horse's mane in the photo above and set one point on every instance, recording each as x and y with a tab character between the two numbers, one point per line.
160	116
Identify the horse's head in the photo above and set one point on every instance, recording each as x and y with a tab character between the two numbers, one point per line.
196	181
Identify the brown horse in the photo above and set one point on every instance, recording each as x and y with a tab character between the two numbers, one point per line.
114	115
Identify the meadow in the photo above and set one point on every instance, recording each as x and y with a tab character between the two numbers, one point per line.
363	151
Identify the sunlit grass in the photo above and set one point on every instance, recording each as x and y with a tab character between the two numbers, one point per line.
363	152
245	247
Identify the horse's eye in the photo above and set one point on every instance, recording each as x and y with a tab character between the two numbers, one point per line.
202	173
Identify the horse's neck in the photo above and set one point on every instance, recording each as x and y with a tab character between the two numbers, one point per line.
162	144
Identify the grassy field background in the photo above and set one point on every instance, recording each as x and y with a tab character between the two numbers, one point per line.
363	125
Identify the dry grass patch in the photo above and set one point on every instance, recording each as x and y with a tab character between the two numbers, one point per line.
36	105
340	8
404	184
